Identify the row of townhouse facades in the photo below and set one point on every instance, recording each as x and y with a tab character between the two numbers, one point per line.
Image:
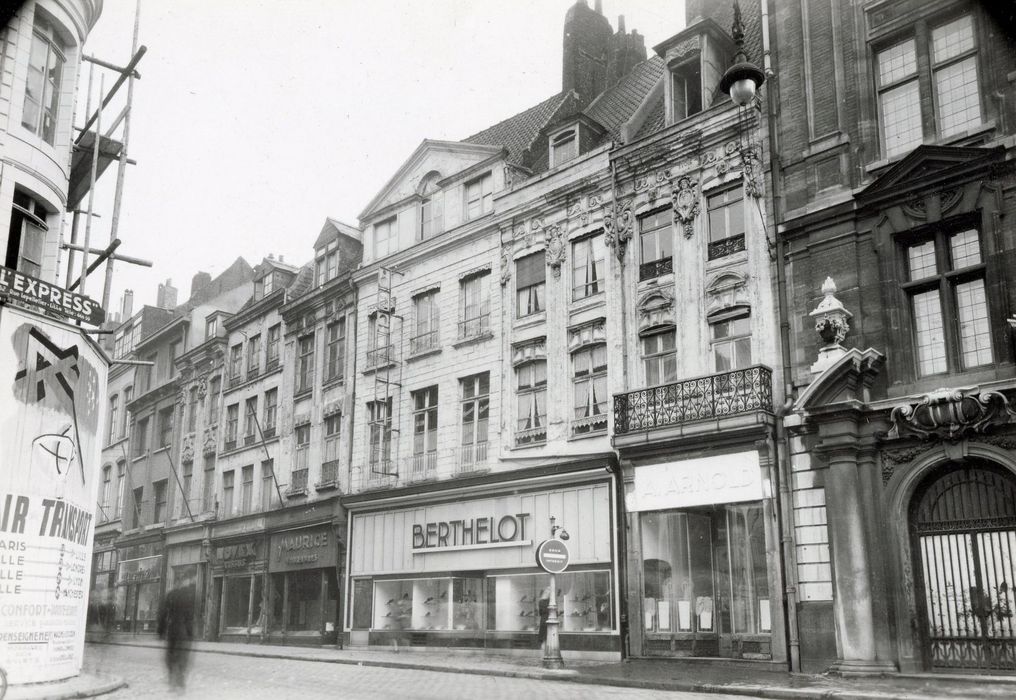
755	360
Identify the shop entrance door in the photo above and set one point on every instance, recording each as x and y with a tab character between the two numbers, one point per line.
963	533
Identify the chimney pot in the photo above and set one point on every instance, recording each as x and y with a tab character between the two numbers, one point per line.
599	7
620	23
282	258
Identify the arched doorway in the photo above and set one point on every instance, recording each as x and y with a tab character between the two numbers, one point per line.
963	534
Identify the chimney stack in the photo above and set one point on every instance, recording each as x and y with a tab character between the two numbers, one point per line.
166	296
620	24
599	7
199	282
587	35
127	304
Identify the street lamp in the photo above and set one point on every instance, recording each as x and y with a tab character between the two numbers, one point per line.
552	556
741	82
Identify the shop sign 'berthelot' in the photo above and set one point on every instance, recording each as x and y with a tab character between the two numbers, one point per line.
552	556
38	294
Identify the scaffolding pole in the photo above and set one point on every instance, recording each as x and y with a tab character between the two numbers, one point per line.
92	176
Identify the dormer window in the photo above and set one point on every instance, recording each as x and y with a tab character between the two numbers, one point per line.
564	147
479	196
686	90
264	286
326	263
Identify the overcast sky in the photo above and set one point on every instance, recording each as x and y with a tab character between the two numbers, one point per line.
256	119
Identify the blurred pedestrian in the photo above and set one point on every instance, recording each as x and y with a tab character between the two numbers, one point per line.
543	607
176	622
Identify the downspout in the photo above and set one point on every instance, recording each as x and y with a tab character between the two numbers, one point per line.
342	564
783	471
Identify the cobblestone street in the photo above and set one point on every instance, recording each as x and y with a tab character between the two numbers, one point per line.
224	676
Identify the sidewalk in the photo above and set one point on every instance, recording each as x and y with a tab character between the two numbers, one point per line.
651	674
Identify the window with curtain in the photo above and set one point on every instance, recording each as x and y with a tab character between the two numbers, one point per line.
589	267
659	356
589	381
530	284
531	401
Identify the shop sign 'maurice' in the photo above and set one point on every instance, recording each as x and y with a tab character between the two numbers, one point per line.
474	533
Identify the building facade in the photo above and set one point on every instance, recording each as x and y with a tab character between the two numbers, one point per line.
893	134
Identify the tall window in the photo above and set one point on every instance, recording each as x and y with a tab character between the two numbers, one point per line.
187	482
166	426
385	237
425	421
530	284
948	302
208	484
214	389
427	219
121	477
379	416
26	238
656	244
686	90
264	286
272	347
902	79
227	493
254	355
192	409
475	306
379	340
141	437
114	417
726	222
731	343
271	411
563	148
269	495
45	71
138	500
333	427
426	321
235	363
107	478
531	395
232	420
588	267
161	492
128	396
174	352
659	357
211	327
327	262
305	364
589	379
475	416
250	416
302	447
479	196
336	350
247	488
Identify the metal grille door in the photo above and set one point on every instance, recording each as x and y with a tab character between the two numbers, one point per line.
964	530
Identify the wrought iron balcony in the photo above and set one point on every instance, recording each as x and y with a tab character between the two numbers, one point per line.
422	466
272	363
726	246
329	473
379	356
472	457
655	268
725	394
425	342
298	481
476	326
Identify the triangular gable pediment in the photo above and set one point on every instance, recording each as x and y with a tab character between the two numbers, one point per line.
926	164
332	228
444	157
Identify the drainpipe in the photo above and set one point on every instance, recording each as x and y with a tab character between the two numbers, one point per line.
783	503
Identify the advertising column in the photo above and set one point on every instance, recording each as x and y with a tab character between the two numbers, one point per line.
52	390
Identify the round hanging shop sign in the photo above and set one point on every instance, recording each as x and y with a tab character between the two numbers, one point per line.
552	556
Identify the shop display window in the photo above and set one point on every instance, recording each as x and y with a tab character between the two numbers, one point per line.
304	601
362	600
583	601
704	571
468	604
236	591
393	605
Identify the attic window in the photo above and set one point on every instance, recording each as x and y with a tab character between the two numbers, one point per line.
563	147
686	89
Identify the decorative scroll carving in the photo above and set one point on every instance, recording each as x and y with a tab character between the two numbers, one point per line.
684	198
187	451
894	458
949	414
556	246
751	163
1006	442
949	199
209	440
617	226
507	249
916	208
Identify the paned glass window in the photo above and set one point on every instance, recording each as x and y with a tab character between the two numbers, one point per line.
475	307
589	378
475	411
530	284
659	357
336	350
45	72
479	196
589	269
731	343
227	493
425	421
305	364
385	238
531	395
427	319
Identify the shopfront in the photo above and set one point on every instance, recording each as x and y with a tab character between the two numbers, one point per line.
238	593
704	535
460	570
186	567
139	587
304	589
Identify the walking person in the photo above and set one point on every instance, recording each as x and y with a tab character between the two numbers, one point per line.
543	607
176	617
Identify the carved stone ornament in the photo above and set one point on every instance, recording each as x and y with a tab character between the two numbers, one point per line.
831	317
506	262
556	246
893	458
187	451
210	439
609	237
623	220
684	198
751	164
202	387
949	414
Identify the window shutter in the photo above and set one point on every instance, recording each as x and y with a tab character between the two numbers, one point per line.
531	270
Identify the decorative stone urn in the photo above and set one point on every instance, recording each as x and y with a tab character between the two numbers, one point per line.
832	322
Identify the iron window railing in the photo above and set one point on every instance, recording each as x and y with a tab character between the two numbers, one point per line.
656	268
379	356
726	246
330	471
724	394
472	457
298	481
475	326
424	342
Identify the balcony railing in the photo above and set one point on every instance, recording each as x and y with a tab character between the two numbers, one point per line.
472	457
272	363
595	423
532	436
248	440
269	431
379	356
724	394
726	246
476	326
298	481
229	445
253	373
236	380
655	268
329	472
425	342
422	466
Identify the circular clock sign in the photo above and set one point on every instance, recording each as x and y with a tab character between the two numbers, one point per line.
552	556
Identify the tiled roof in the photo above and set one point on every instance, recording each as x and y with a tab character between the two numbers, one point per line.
616	105
654	120
302	282
516	133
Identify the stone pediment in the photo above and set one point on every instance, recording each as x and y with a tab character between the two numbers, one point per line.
845	382
447	158
926	165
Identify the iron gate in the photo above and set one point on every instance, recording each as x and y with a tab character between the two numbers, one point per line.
963	527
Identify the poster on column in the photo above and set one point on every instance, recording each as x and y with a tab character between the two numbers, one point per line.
52	390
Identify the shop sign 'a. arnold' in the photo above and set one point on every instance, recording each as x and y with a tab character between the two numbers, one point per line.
39	294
